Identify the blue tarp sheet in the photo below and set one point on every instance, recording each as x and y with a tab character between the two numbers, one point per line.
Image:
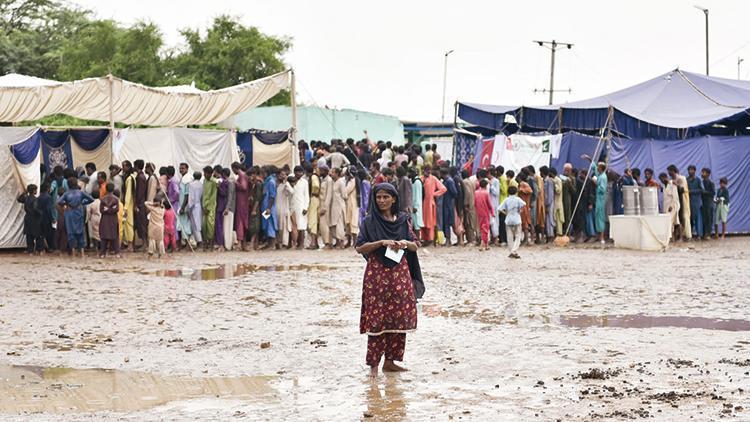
726	156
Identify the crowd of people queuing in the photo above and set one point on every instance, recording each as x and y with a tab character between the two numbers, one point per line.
323	201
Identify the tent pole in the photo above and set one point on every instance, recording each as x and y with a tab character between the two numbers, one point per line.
294	118
111	120
455	114
455	125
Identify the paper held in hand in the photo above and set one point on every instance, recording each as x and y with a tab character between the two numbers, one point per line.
394	256
266	214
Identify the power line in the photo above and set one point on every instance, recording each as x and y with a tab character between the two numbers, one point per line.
731	53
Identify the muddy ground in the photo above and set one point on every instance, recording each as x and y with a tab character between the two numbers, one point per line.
581	333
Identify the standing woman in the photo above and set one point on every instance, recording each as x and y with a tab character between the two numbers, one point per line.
389	300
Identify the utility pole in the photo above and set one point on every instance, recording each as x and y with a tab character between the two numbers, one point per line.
445	83
552	46
705	12
739	62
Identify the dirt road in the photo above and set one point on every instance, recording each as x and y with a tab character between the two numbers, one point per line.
562	334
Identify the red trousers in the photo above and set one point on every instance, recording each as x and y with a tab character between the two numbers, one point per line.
170	239
484	228
392	345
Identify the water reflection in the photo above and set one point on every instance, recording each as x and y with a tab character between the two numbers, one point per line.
646	321
388	403
224	271
36	389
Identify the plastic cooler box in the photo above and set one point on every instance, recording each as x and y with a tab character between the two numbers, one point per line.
640	232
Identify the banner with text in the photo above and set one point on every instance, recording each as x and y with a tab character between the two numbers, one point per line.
514	152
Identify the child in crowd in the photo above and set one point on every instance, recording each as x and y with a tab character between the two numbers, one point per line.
511	207
484	209
722	208
170	232
32	220
155	228
93	217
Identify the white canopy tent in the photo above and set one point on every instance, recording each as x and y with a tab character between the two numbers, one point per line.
111	99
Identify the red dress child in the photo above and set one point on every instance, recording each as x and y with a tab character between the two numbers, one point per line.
484	213
170	234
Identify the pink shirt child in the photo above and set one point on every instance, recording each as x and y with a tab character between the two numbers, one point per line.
484	212
170	234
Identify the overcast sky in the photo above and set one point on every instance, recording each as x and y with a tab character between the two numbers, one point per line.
387	56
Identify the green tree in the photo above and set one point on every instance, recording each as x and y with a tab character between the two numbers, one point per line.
102	47
56	40
31	33
21	14
228	54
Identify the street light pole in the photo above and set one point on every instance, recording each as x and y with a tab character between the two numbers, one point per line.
552	45
445	83
739	62
705	12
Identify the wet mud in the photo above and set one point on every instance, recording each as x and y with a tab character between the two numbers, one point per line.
35	390
647	321
575	333
224	271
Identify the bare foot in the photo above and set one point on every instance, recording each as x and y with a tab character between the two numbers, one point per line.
373	372
389	366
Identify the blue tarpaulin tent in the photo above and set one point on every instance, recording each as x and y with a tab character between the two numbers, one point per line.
675	105
678	118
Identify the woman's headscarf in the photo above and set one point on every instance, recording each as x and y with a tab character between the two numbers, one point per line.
376	227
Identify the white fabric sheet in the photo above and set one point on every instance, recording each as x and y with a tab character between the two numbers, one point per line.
93	99
11	212
171	146
205	147
12	182
277	155
11	135
101	156
28	174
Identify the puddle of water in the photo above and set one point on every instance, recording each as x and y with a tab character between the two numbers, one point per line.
645	321
220	272
484	316
34	389
487	316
